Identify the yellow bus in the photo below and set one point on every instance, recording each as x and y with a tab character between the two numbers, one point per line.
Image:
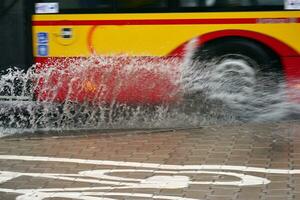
262	33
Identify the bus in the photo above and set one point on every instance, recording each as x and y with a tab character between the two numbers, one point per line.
264	34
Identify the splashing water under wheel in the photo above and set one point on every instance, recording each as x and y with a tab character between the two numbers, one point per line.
207	92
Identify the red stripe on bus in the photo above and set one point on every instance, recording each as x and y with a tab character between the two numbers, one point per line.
165	21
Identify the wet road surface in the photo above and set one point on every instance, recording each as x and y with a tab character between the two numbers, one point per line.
251	161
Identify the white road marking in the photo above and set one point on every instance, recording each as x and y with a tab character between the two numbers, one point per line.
151	165
162	177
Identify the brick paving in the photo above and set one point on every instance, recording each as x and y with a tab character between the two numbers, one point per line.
251	146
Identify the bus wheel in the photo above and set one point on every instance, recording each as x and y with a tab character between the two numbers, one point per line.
233	76
240	72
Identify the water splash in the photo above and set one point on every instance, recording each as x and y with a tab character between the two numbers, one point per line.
123	92
231	91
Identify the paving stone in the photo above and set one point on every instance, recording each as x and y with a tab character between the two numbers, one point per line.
210	163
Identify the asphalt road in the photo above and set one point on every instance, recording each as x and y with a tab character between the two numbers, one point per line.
250	161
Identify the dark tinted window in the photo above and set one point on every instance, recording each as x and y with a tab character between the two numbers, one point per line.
141	4
82	5
231	4
95	3
98	6
270	2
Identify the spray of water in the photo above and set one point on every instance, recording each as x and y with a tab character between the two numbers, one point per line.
121	92
231	91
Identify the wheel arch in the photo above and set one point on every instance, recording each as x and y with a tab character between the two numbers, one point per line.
272	45
247	46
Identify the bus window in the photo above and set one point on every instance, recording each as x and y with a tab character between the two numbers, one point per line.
192	3
141	4
270	2
220	5
229	3
214	3
81	5
95	3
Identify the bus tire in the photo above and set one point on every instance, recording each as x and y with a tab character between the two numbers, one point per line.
266	60
240	69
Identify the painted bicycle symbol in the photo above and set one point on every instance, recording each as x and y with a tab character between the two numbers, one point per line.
110	179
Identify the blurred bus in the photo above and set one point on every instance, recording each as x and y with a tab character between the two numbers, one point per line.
262	33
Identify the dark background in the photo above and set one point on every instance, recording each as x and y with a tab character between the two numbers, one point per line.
15	34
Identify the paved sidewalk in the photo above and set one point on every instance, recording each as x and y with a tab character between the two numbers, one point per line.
247	162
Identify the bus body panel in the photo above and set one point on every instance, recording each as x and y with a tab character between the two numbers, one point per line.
154	34
157	35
